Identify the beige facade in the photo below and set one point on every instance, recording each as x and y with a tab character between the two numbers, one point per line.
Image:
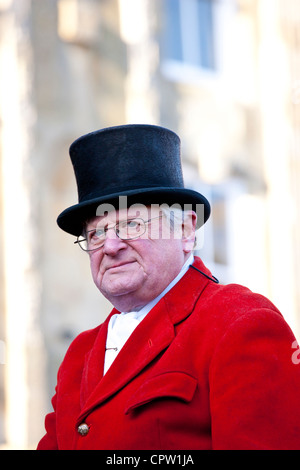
68	67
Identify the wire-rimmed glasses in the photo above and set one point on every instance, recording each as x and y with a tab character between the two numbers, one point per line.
128	229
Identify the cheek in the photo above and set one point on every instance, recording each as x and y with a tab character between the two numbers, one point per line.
95	264
170	258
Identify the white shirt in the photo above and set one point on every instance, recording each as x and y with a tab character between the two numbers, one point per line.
121	325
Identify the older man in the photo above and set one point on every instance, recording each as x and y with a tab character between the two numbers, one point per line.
181	362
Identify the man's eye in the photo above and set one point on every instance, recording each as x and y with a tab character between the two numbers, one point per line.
99	233
127	224
134	226
95	234
132	223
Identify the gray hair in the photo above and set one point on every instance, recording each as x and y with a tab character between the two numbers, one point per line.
176	217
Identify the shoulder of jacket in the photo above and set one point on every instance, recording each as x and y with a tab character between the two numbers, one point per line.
223	304
237	294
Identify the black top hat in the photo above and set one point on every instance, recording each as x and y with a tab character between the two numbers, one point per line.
139	161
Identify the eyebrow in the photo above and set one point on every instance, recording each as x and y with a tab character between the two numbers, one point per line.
107	224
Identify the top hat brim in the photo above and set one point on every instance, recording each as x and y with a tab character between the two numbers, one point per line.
73	219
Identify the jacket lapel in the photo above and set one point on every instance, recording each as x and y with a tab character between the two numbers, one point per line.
148	340
150	337
94	362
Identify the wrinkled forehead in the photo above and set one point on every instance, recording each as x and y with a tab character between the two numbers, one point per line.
114	216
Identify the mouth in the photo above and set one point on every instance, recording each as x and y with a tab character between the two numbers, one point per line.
119	265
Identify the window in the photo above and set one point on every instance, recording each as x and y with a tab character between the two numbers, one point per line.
189	32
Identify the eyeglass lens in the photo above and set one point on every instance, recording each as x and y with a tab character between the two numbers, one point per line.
126	230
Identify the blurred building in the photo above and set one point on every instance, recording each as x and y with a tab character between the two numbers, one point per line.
223	74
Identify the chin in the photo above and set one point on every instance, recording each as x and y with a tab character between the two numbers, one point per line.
117	292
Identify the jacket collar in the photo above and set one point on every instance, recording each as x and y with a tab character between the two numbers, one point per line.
150	338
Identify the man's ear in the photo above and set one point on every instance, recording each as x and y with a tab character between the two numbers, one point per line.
189	231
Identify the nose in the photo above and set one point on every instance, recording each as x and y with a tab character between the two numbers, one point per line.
113	244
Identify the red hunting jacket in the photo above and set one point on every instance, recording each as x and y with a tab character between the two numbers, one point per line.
210	367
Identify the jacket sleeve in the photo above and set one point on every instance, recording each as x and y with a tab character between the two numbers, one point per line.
254	385
49	441
68	382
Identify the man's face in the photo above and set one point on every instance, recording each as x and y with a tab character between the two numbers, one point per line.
130	273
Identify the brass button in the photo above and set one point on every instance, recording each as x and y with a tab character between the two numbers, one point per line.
83	429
